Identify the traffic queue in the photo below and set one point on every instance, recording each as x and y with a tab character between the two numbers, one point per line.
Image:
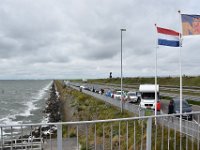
145	97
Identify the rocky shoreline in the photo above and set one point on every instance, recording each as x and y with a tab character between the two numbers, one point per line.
52	112
52	108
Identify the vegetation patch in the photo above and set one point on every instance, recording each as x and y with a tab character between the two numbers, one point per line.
175	81
193	102
112	134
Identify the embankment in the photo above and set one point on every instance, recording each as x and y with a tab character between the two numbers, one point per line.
77	106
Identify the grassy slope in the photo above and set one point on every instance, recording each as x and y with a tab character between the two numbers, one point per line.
89	108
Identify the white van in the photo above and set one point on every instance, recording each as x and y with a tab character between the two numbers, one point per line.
147	98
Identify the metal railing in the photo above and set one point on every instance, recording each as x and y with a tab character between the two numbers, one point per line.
138	133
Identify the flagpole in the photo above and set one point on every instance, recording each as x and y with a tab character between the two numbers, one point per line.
181	96
156	75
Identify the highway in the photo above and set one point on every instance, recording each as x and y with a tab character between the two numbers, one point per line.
169	91
164	103
188	127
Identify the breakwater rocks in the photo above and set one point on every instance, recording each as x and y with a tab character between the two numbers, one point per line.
34	136
52	112
53	106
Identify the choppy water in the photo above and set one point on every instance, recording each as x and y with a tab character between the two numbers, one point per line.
23	101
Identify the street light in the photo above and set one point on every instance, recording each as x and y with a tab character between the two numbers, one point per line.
121	70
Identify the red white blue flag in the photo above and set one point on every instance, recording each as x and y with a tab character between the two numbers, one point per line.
168	37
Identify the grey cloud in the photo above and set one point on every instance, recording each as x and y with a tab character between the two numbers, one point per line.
50	39
8	47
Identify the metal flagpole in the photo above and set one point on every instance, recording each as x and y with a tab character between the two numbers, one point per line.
181	98
156	76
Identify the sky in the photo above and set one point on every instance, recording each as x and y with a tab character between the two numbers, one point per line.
74	39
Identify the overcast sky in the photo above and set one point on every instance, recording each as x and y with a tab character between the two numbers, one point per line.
42	39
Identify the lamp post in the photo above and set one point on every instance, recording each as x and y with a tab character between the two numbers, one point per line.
121	71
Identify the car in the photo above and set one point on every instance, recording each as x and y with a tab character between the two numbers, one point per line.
84	87
186	108
117	95
131	97
109	93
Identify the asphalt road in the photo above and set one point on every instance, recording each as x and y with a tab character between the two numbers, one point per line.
188	127
164	103
163	90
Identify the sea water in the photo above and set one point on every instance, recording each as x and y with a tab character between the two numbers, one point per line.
23	102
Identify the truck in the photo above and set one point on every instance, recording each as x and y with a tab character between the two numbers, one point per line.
147	96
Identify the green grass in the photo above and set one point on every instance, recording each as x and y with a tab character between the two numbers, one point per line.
184	92
165	97
187	80
193	102
88	108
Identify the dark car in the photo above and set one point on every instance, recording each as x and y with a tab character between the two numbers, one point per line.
186	108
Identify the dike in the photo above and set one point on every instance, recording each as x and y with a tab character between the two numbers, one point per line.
52	109
65	98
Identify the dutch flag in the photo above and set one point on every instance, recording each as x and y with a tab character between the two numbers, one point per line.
168	37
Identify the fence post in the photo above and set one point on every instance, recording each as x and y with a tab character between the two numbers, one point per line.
149	130
59	137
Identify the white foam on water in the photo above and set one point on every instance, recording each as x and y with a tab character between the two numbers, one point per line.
9	120
31	104
42	92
